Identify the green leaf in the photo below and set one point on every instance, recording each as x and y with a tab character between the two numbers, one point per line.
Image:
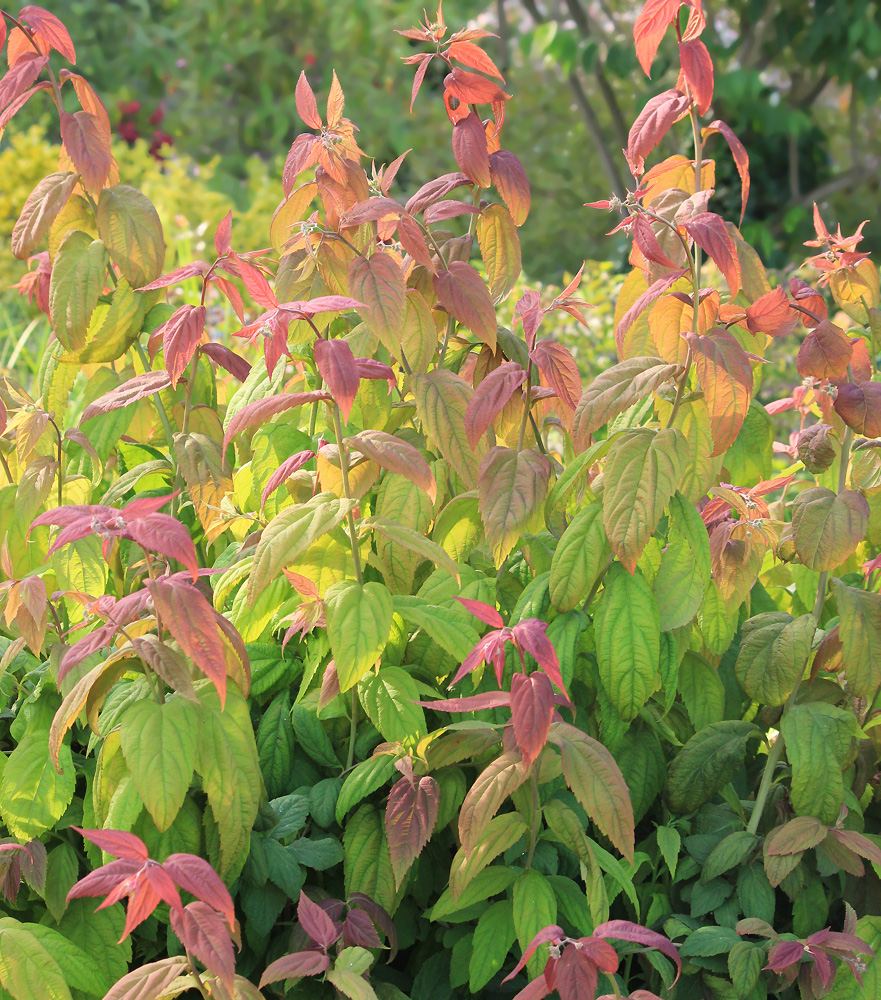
33	795
350	984
320	854
846	986
717	620
727	854
159	743
365	778
745	961
512	487
77	282
367	866
628	644
312	737
500	250
641	759
501	833
359	620
708	941
405	537
580	556
289	534
441	400
707	762
451	630
404	503
642	473
275	745
860	632
322	800
230	769
27	969
40	211
669	844
535	907
80	973
828	526
130	228
62	869
113	327
282	868
490	882
820	743
389	698
774	648
702	692
458	528
757	898
684	572
595	779
98	933
493	938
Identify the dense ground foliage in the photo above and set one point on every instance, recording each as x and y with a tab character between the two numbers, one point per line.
354	646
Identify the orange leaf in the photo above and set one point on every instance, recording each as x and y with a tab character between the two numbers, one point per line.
726	378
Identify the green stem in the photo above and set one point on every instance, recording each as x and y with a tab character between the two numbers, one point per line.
6	468
527	402
353	731
160	408
347	493
536	813
680	389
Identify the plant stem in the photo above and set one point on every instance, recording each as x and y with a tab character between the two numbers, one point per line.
353	730
776	751
527	402
680	389
195	974
160	408
347	493
536	812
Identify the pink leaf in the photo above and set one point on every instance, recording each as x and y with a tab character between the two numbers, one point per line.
164	534
197	269
473	703
132	391
316	923
203	932
624	930
234	363
117	843
307	107
558	366
197	877
652	124
261	410
545	936
410	818
531	636
287	468
482	611
336	365
741	158
223	236
490	398
532	708
295	966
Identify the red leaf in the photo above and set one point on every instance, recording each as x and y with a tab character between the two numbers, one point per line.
203	933
295	966
322	303
302	155
461	291
651	125
316	923
577	975
825	352
809	300
105	879
531	637
624	930
117	843
223	236
532	708
358	930
469	148
490	398
335	103
410	818
196	269
698	69
287	468
472	55
164	534
708	230
558	366
336	365
88	145
413	242
234	363
135	389
142	901
398	456
372	210
783	954
434	190
261	410
190	619
650	27
726	377
772	314
646	240
482	611
49	30
741	158
450	209
470	88
859	406
546	935
181	335
509	179
419	77
253	279
307	108
473	703
21	76
197	877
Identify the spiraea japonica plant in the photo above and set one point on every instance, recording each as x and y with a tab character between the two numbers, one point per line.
362	650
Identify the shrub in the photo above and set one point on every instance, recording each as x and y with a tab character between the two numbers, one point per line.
252	595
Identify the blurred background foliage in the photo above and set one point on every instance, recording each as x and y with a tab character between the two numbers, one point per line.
201	93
